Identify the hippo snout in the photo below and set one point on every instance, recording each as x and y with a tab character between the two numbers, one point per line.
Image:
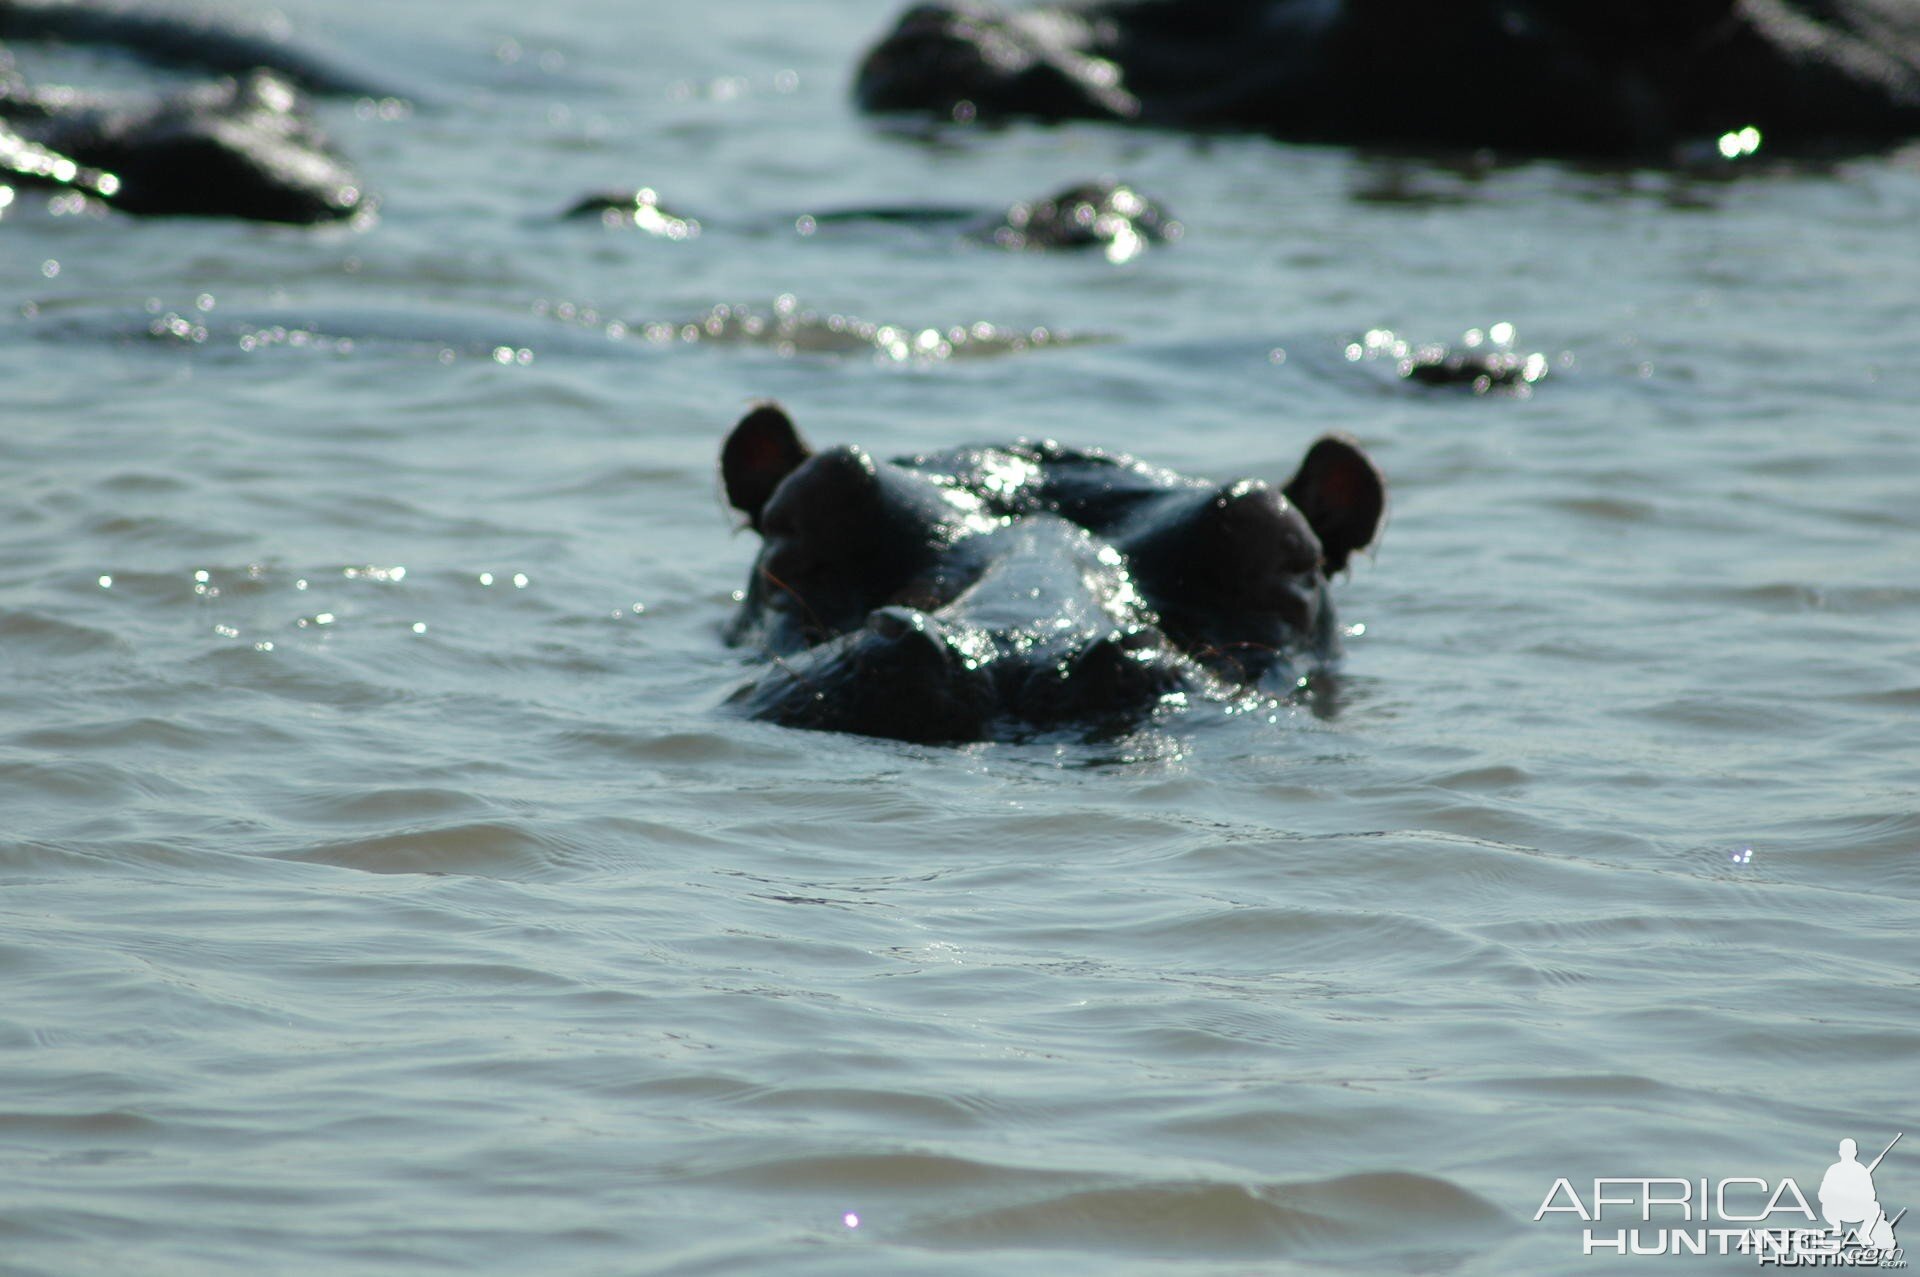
903	674
1108	683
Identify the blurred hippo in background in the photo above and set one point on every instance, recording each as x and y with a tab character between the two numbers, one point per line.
242	148
244	145
1105	214
1634	79
1003	592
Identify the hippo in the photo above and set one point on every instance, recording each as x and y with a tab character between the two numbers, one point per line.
1012	591
1105	214
1652	80
244	145
639	210
1484	360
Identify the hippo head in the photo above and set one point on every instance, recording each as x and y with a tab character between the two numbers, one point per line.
240	148
999	592
969	59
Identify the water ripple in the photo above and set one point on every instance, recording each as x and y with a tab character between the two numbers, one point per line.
488	849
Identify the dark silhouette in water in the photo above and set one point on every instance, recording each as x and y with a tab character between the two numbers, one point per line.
1482	361
241	146
998	592
231	148
1636	79
1107	215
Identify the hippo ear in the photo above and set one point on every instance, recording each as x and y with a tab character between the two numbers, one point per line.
1341	494
762	450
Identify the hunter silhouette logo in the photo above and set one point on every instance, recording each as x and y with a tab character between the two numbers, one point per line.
1847	1197
1774	1221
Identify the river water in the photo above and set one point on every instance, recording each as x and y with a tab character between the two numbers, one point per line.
388	888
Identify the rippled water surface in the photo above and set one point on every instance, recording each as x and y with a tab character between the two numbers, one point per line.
387	887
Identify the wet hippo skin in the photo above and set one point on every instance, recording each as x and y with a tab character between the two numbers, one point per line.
244	148
1639	78
244	145
1104	214
1002	592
